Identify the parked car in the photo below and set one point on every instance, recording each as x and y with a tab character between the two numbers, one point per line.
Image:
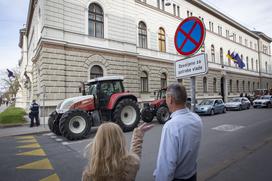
211	107
238	103
263	101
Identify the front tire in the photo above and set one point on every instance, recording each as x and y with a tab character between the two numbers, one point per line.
53	123
127	114
212	112
75	124
147	114
163	115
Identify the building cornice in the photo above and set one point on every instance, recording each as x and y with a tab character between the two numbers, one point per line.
204	6
264	36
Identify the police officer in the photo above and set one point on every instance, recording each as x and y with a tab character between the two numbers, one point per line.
34	113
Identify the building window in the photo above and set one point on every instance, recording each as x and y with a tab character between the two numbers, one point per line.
174	9
142	33
96	21
163	80
255	46
253	86
162	45
240	40
144	82
266	68
248	85
247	63
205	85
252	64
258	85
256	65
214	85
188	13
230	82
243	84
227	33
250	44
211	26
237	85
220	30
234	37
221	56
245	42
212	53
178	11
191	13
229	62
163	7
158	4
96	71
267	86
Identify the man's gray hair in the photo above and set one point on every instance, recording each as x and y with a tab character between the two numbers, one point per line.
178	92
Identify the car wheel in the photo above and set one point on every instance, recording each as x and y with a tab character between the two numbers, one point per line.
212	112
225	110
240	108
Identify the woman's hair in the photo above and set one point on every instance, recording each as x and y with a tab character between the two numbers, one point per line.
107	151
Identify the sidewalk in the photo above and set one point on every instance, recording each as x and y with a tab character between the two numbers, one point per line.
25	129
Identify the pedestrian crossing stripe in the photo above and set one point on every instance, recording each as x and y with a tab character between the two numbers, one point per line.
37	152
28	141
53	177
37	165
24	137
34	145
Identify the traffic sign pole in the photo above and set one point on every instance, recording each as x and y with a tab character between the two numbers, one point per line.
193	102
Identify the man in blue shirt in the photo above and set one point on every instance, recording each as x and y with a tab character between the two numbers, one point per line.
180	139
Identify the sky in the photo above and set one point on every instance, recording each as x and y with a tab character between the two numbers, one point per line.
250	13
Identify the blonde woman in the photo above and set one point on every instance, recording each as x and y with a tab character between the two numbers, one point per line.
109	157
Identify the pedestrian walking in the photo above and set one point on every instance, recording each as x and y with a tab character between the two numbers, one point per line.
34	113
109	158
180	140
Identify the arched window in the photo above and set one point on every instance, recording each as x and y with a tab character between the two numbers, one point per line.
258	85
229	62
162	45
212	53
253	86
205	85
221	56
266	68
214	85
230	82
144	82
237	85
243	86
163	80
248	85
96	21
252	64
96	71
247	63
142	33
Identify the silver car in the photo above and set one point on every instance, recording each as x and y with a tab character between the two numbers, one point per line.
238	103
264	101
210	107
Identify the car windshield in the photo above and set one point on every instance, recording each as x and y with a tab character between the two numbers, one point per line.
235	100
206	102
265	97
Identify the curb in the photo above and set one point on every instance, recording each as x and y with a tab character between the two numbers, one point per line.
3	126
25	134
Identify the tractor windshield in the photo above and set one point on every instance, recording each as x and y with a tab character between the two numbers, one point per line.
91	89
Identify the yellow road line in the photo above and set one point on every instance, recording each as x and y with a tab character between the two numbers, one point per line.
27	141
24	137
34	145
38	165
53	177
37	152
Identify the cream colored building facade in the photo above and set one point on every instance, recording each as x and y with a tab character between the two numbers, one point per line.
66	42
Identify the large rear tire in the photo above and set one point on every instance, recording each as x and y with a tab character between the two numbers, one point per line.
53	123
163	114
147	114
127	114
75	124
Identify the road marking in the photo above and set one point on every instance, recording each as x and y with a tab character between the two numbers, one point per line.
53	136
48	134
24	137
34	145
59	139
228	127
53	177
37	152
28	141
37	165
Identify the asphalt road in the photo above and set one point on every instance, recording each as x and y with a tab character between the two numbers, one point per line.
235	146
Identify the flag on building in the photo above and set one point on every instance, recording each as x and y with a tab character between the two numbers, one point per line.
10	73
231	57
240	62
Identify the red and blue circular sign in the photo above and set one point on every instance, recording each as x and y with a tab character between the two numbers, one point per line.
189	36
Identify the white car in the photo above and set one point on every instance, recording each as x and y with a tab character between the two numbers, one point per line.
264	101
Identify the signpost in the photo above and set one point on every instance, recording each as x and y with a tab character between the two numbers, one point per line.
189	37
